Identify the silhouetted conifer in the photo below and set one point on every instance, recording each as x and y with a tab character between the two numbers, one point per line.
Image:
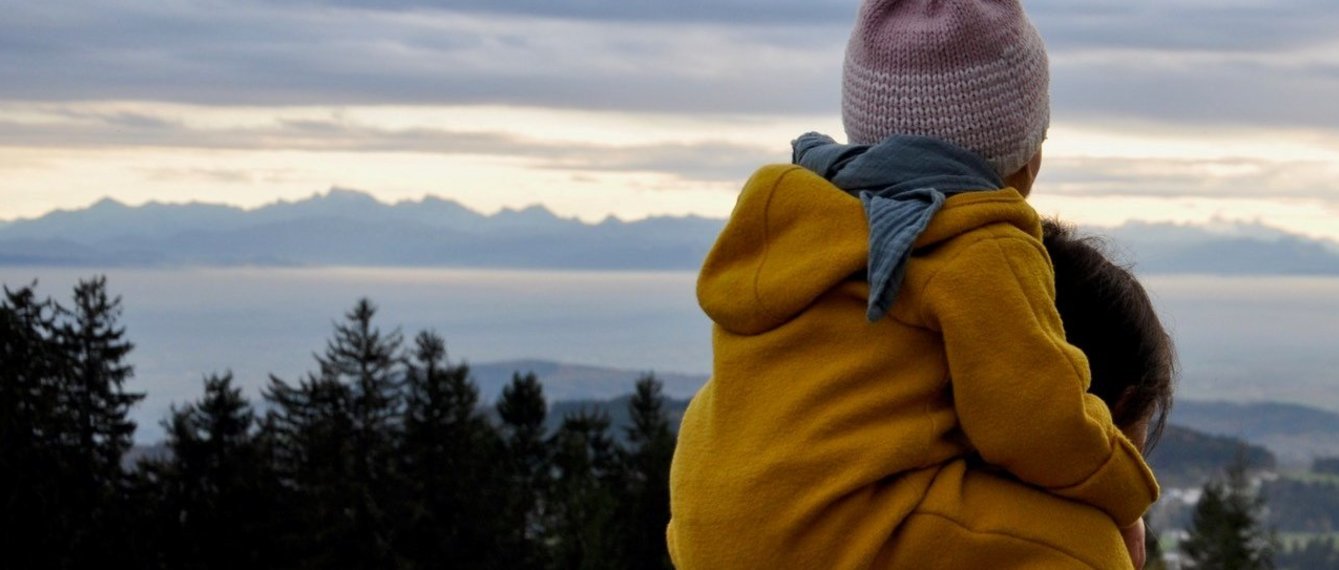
311	427
1228	532
335	436
371	461
94	343
582	499
92	393
645	506
36	449
522	410
215	490
449	456
64	429
369	363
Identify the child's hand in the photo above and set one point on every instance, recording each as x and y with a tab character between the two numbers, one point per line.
1134	541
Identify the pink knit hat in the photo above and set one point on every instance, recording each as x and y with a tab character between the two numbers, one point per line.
971	72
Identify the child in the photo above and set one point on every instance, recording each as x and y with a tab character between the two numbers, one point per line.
891	383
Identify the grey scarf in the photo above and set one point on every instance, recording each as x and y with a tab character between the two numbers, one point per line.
902	182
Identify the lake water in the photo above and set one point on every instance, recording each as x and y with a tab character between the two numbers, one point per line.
1240	338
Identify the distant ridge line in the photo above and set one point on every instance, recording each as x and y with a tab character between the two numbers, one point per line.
344	227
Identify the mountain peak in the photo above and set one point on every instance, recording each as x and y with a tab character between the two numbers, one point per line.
434	200
346	195
531	212
339	202
108	203
436	203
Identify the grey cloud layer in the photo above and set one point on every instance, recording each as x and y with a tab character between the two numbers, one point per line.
1241	178
1216	25
1217	93
296	54
706	161
1188	61
1172	24
745	12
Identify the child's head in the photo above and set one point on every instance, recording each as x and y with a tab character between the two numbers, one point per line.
971	72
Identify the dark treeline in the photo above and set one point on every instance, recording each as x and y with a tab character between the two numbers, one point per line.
382	457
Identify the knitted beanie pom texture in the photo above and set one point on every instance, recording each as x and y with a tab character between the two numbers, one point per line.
970	72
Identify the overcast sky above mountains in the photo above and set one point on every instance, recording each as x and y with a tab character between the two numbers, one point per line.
1164	110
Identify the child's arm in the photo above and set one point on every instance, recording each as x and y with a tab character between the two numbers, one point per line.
1020	390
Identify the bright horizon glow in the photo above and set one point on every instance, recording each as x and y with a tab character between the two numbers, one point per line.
139	152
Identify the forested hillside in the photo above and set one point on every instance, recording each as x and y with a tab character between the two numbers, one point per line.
381	457
385	456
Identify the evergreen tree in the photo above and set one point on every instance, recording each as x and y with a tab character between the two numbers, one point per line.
646	504
35	510
368	362
92	395
309	434
95	380
582	498
1227	531
64	428
214	488
449	453
522	410
372	460
334	438
30	362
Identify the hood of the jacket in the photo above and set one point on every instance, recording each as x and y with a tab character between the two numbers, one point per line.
794	236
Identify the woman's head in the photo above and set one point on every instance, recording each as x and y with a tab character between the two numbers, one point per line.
1108	315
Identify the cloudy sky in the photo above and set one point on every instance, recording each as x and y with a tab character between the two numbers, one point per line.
1184	110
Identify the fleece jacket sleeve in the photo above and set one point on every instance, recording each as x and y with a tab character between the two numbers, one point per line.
1020	390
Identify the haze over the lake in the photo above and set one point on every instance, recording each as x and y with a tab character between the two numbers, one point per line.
1240	338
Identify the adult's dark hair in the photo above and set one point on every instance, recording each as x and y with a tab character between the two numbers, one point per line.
1108	315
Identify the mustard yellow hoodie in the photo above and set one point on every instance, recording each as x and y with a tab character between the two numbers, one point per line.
958	433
